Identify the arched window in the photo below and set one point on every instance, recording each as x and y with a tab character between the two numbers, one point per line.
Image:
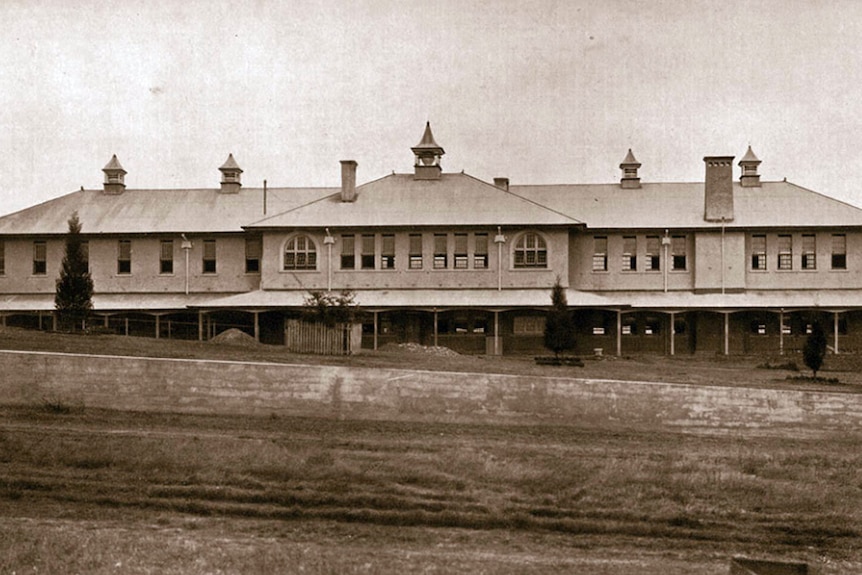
300	254
531	251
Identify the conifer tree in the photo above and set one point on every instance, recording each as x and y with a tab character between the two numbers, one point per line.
73	297
815	348
559	325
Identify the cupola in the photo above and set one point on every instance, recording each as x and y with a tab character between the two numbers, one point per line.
231	180
629	166
114	177
749	178
428	153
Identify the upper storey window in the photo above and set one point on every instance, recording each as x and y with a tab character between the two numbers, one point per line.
785	252
809	252
531	251
600	254
758	252
839	252
678	255
300	253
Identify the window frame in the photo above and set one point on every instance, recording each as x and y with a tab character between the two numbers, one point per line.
308	261
368	250
600	254
461	256
166	265
441	251
785	252
653	254
253	254
759	256
630	254
678	253
124	257
523	249
387	251
415	258
480	251
841	255
348	252
809	252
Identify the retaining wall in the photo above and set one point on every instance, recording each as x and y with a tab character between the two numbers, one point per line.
200	386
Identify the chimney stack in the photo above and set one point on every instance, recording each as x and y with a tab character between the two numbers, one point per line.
348	180
502	183
114	177
718	189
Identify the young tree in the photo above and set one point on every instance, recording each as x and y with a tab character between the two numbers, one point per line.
815	348
330	309
559	325
73	297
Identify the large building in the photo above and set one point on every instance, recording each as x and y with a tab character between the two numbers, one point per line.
727	265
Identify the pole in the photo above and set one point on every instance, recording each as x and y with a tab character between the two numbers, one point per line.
375	331
835	329
722	256
257	326
619	332
726	333
672	333
496	332
781	332
499	239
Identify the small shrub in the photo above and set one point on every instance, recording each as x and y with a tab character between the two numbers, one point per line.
788	366
56	406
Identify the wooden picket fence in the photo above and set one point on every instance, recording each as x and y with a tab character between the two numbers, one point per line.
321	339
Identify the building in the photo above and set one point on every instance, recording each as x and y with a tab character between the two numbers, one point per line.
727	265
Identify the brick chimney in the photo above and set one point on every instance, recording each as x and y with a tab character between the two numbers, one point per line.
502	183
114	177
348	180
718	189
231	181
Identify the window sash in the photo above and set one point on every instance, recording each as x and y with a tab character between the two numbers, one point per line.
348	252
839	252
809	252
785	252
441	251
600	254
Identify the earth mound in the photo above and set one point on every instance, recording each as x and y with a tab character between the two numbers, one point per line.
416	348
235	336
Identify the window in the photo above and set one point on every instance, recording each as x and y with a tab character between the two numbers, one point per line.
415	251
677	247
839	252
368	251
480	251
40	258
253	253
387	256
630	253
600	254
785	252
461	259
598	330
528	325
441	252
531	251
300	254
2	257
166	257
653	253
348	252
630	172
209	259
809	252
124	257
758	252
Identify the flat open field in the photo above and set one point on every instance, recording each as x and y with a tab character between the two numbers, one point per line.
91	491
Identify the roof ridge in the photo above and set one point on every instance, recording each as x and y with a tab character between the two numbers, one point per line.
290	210
528	200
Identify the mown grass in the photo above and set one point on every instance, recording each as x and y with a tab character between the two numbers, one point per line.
763	492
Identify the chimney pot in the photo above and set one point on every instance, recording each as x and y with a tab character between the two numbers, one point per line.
348	180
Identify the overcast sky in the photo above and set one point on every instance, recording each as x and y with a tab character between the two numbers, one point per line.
537	91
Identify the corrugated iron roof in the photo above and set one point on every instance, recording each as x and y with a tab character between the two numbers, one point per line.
157	211
401	200
681	205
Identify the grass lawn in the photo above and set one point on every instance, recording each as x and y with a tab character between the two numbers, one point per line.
92	491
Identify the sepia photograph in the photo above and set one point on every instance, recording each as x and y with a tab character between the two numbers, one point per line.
385	287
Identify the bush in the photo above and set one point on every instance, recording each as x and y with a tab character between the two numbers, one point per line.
815	348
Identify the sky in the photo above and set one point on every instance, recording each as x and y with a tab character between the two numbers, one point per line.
541	92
